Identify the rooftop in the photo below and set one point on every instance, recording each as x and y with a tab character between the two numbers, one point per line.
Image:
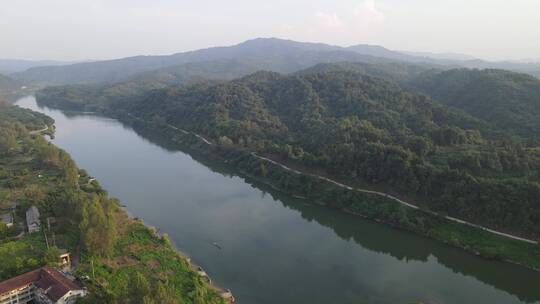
45	278
19	281
6	218
56	284
32	215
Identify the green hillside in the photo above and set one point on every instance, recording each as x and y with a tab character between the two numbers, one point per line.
360	129
7	85
508	100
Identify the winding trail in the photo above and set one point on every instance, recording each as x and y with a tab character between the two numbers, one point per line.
188	132
388	196
38	131
385	195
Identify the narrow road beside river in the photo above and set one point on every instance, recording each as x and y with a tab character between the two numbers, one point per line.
386	195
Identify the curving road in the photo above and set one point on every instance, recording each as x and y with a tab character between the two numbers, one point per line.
386	195
38	131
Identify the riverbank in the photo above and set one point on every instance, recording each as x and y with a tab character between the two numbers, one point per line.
267	236
140	250
121	258
224	293
351	188
373	206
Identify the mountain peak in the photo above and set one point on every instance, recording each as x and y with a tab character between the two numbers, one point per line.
279	42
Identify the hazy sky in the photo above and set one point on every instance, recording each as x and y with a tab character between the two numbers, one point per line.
99	29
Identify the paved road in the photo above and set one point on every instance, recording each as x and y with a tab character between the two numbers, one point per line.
386	195
178	129
188	132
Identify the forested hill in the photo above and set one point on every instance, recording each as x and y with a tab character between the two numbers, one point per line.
267	54
21	117
7	85
401	73
11	88
284	56
511	101
89	97
268	103
360	129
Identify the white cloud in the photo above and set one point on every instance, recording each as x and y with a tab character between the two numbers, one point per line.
285	27
358	24
329	21
367	13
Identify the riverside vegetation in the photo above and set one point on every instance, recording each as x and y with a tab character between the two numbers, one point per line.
368	132
119	258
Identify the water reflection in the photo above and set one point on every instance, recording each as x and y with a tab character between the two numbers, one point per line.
408	247
274	248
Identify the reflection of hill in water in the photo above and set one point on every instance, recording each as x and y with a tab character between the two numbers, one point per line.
380	238
406	246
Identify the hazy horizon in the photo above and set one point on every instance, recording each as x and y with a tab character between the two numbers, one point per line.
69	30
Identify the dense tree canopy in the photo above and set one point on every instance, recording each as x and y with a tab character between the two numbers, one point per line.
361	129
510	101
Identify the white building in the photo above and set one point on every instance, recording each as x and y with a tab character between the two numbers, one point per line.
43	286
32	219
7	219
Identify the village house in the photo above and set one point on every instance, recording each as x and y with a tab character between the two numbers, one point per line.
7	219
43	286
32	219
64	260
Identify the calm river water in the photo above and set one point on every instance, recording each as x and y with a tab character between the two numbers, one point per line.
275	249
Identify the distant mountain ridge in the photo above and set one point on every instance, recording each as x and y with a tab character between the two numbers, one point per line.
8	66
508	101
8	85
278	55
441	56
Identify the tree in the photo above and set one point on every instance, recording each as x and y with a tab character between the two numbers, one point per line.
47	153
224	140
4	231
17	258
139	289
71	175
149	300
98	226
8	142
34	193
51	256
164	294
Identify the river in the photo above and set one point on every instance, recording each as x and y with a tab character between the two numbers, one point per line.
274	249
